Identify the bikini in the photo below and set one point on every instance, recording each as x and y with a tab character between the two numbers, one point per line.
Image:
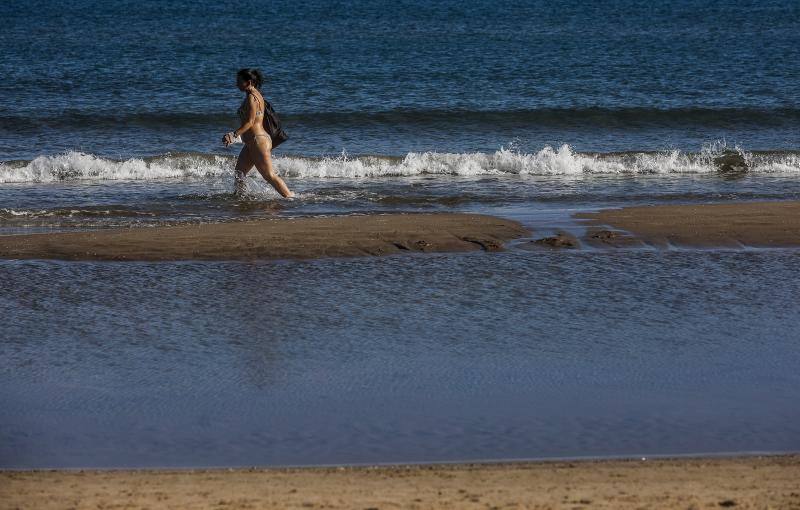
243	116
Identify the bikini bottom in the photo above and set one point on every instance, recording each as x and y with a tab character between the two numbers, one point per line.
254	137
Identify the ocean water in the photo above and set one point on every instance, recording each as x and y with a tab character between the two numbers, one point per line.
401	359
111	115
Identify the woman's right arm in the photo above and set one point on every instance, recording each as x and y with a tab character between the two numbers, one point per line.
252	107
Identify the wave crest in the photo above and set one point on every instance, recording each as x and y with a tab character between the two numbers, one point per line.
715	158
75	166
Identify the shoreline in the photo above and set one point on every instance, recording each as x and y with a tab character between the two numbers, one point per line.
737	225
280	238
664	482
762	224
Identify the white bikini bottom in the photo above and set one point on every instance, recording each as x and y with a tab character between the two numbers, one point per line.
254	137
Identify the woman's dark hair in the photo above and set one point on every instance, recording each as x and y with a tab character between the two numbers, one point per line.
251	74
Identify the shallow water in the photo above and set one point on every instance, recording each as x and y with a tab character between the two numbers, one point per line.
399	359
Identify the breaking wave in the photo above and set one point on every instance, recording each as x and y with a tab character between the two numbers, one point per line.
549	161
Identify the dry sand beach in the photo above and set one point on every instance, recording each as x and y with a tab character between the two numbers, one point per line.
745	482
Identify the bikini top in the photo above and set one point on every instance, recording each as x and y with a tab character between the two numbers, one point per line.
243	113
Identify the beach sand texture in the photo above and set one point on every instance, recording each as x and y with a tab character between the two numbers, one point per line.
757	224
698	483
296	238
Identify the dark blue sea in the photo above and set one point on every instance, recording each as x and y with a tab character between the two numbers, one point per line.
111	115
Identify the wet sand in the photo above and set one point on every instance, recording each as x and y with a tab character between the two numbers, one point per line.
286	238
743	482
756	224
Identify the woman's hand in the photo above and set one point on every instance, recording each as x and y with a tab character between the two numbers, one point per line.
227	139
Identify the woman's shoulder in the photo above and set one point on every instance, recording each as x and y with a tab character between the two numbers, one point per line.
258	97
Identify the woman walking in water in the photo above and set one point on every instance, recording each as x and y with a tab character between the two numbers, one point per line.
257	143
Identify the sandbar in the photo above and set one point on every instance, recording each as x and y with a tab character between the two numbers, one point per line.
281	238
685	483
737	224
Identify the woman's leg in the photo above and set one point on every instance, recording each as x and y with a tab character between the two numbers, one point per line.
243	165
263	160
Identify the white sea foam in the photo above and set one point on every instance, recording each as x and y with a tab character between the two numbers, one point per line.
548	161
13	212
74	166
